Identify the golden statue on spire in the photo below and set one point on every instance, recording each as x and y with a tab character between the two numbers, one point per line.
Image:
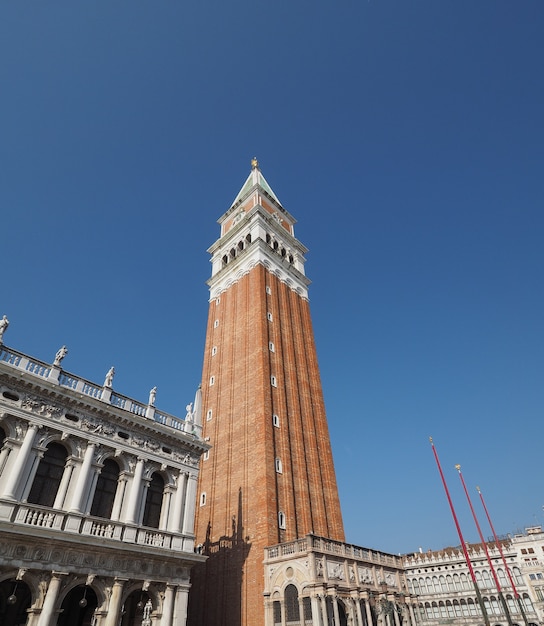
254	163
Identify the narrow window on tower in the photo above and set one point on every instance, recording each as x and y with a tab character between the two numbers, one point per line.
269	316
212	380
271	346
268	290
279	468
214	350
217	301
209	415
203	498
273	381
276	420
216	324
281	520
206	455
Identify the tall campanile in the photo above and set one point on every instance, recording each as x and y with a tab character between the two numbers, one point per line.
269	475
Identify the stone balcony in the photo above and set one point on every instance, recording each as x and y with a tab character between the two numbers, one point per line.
24	519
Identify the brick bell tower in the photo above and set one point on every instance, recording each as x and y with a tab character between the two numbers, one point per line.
269	476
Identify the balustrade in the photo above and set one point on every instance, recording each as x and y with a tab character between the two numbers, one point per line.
43	370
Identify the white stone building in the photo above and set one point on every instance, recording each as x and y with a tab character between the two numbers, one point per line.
441	583
319	581
97	499
529	547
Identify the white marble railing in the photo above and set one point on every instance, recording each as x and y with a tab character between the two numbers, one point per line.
55	375
63	521
328	546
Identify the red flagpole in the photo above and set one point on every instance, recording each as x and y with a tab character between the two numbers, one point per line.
461	539
499	546
484	545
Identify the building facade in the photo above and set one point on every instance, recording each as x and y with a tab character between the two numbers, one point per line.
444	593
269	477
315	581
97	500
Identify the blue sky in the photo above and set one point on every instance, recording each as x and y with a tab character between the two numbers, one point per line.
406	138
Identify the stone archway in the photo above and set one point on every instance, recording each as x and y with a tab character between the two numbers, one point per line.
15	600
78	607
136	609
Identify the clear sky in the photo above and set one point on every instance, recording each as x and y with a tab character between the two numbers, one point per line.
407	139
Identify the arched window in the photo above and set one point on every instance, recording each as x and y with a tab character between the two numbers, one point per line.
517	576
495	606
153	502
435	584
464	581
511	604
456	582
48	475
487	579
279	467
291	604
277	612
457	608
443	584
106	488
527	603
502	577
281	520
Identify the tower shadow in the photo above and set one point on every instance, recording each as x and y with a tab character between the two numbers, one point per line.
216	585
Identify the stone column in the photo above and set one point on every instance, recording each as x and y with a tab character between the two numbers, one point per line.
301	610
119	497
165	508
64	483
47	616
282	609
335	609
412	614
395	612
180	608
174	521
190	503
4	454
16	472
324	609
80	493
132	515
360	620
114	605
368	610
168	606
316	614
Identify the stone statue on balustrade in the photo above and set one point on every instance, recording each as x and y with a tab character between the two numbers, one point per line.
109	377
60	355
152	396
4	323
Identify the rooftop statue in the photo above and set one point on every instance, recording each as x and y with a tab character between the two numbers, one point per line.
4	323
60	355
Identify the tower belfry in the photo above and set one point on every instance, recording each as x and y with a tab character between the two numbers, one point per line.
269	476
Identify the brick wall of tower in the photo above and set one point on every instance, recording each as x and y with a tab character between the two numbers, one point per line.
244	492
